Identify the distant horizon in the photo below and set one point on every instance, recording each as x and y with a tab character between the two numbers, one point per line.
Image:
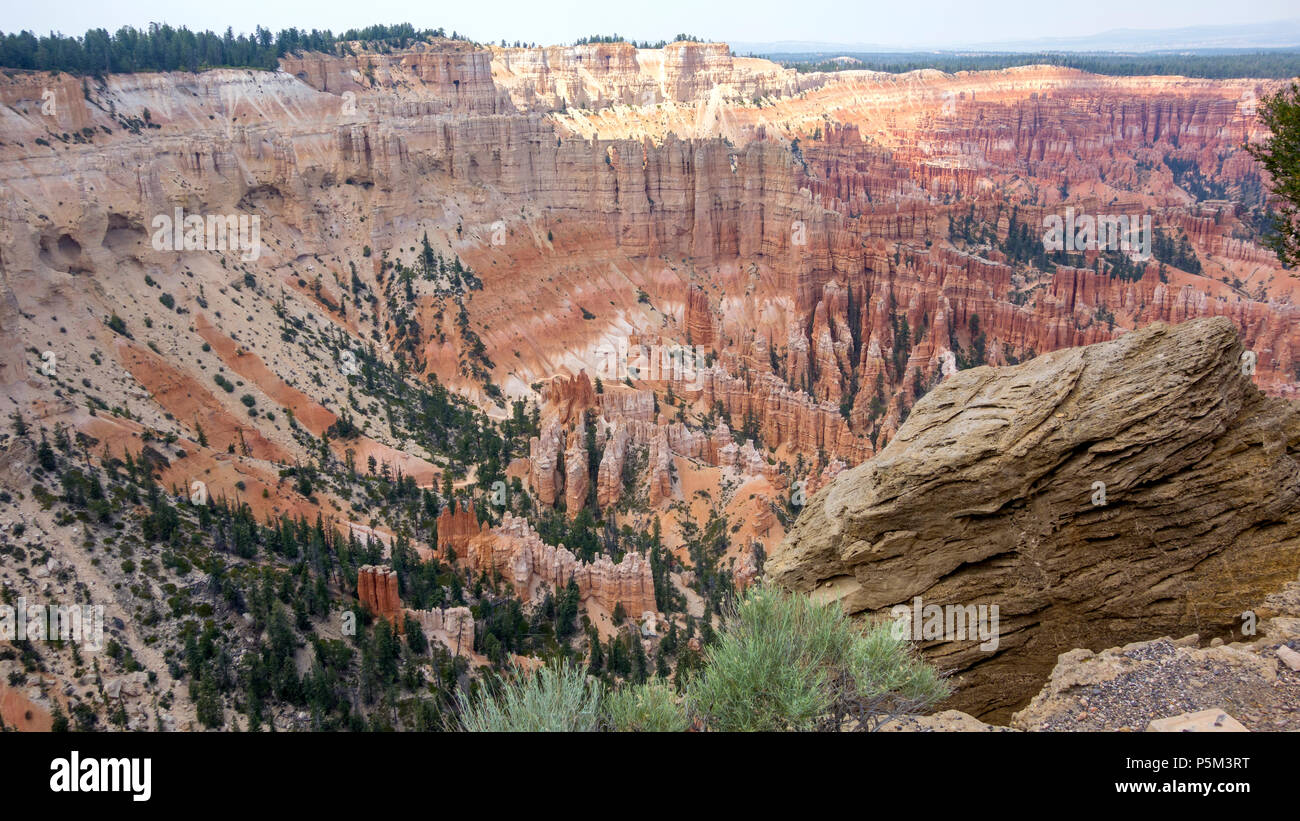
765	25
830	48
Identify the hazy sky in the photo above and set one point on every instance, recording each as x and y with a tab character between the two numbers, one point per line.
889	22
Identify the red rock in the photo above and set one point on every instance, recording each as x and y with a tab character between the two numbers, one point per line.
746	570
377	590
609	477
577	477
699	317
456	526
565	399
514	550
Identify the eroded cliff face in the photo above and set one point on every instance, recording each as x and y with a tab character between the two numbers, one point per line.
796	230
515	552
377	590
1096	495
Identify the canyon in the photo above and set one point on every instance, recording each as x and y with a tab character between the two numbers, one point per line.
697	288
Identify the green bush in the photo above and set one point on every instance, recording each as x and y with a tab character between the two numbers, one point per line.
556	698
781	662
784	662
645	708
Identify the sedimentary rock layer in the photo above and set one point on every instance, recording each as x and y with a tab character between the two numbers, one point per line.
453	627
456	526
1096	495
515	551
377	590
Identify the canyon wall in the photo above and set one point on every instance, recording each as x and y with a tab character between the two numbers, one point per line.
823	242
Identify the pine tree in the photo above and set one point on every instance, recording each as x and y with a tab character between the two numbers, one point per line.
60	720
1280	156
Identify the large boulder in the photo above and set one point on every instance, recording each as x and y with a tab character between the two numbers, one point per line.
1098	495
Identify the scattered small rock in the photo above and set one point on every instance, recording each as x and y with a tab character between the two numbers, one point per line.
1289	657
1203	721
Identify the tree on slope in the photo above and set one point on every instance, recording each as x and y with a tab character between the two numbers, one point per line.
1280	156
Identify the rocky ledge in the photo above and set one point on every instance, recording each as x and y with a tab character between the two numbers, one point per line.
1256	682
1164	685
1097	496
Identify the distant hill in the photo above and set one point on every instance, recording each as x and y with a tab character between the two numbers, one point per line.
1276	34
1277	64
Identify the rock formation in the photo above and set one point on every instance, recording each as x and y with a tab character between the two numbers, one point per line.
544	459
803	261
456	526
619	402
661	469
747	569
453	627
577	476
828	239
1095	495
515	551
609	477
377	590
699	317
566	398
